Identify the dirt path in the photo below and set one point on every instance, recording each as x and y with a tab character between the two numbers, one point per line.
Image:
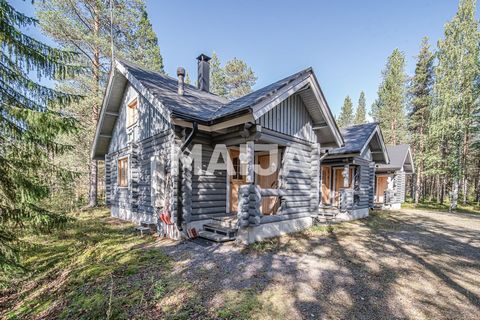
409	264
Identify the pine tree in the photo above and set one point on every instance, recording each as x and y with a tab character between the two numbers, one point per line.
361	110
217	76
31	119
389	108
85	26
239	78
420	99
345	118
455	98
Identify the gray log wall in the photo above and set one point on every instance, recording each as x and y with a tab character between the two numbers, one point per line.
137	197
152	136
298	177
208	192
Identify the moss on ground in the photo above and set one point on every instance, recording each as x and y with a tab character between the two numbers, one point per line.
96	267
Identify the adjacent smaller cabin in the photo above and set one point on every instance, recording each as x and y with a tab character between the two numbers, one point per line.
347	173
390	179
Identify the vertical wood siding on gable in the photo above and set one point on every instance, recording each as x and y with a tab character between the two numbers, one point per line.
150	121
290	117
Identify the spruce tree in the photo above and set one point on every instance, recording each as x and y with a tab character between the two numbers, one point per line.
85	26
420	93
389	108
31	119
345	118
361	110
455	99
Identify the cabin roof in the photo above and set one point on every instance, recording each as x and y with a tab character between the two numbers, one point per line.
357	138
207	108
400	158
194	103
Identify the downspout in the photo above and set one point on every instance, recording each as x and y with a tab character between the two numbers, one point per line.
183	147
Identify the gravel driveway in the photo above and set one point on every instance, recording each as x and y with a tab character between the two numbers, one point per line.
408	264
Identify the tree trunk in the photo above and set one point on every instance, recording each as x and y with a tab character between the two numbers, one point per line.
418	185
465	190
93	181
92	194
438	188
454	198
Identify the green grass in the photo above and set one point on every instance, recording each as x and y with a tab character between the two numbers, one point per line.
95	268
432	205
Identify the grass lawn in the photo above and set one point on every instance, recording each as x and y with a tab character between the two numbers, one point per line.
433	205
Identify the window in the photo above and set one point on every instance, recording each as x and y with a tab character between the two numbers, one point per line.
132	113
123	172
237	166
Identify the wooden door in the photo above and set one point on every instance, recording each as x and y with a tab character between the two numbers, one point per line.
236	180
326	185
382	184
269	204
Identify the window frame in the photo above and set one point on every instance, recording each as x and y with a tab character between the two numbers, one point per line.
125	159
134	101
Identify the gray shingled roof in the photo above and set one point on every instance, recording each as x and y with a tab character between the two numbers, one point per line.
255	97
399	158
194	103
198	104
355	138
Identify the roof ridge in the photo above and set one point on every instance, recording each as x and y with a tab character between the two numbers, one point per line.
293	76
166	76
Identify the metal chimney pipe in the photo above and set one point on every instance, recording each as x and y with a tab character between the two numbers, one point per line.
203	72
181	81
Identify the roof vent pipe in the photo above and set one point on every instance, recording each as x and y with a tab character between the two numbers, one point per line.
181	81
203	72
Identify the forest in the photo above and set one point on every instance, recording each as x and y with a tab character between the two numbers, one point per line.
46	132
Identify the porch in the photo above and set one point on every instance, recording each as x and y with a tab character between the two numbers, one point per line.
270	187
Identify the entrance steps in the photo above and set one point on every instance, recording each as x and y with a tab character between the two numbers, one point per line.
328	214
220	230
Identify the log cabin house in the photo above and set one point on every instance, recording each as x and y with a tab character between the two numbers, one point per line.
160	136
348	173
390	179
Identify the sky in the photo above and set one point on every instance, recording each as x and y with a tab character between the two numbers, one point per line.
346	42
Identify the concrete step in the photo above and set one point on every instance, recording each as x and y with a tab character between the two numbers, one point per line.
214	236
219	229
144	230
228	222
